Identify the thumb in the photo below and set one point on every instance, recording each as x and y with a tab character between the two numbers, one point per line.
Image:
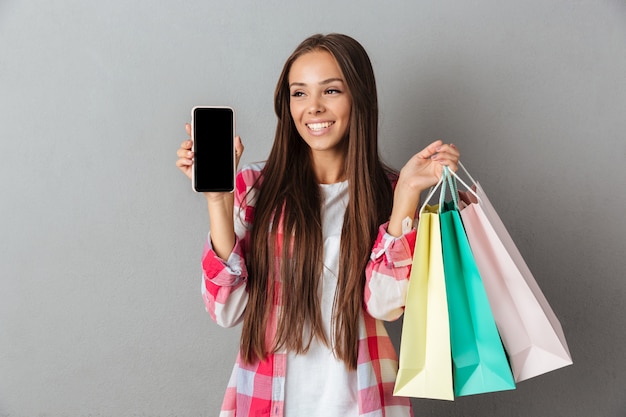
238	148
431	150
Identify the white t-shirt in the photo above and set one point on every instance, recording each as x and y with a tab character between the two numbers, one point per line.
317	384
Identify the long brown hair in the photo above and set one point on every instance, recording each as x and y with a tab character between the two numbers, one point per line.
286	236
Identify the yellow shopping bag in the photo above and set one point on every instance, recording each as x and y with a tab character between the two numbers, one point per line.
425	364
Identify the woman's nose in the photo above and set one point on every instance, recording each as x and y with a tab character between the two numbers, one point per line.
316	106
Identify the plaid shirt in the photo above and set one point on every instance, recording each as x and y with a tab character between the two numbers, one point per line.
259	389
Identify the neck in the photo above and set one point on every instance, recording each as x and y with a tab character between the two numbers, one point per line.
329	169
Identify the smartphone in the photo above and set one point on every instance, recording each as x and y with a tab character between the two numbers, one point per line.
213	135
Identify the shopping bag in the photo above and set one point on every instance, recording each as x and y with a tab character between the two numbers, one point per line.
530	331
480	363
425	365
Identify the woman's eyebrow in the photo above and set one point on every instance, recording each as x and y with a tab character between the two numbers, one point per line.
325	82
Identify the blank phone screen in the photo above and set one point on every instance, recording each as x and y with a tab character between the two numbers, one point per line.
213	134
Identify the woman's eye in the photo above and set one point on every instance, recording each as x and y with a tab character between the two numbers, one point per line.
297	94
333	91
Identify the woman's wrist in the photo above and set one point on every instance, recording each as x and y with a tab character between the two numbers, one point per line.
398	216
218	198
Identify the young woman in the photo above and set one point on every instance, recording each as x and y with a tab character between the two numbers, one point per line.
314	247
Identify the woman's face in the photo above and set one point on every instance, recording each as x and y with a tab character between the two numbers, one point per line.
320	102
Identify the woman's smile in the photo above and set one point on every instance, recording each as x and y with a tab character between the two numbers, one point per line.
316	127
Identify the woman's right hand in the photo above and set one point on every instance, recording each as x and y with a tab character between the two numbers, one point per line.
220	204
185	153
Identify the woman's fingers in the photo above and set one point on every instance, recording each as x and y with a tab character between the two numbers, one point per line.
238	149
447	155
430	150
185	154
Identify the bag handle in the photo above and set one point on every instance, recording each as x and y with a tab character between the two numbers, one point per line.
448	181
454	178
430	194
466	173
449	177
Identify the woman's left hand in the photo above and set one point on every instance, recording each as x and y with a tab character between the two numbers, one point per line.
422	171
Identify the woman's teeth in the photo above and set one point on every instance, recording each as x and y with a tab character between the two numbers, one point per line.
319	126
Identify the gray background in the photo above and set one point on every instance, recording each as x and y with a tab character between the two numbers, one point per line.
101	236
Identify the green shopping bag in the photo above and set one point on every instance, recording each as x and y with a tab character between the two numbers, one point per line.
479	361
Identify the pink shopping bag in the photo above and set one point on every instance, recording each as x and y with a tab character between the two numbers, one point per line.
530	331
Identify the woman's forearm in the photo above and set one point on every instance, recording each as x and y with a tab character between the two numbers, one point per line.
221	223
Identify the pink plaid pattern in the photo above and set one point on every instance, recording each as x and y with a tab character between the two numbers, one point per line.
258	389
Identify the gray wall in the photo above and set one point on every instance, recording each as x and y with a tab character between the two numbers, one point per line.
101	236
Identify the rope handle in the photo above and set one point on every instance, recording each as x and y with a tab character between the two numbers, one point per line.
448	182
449	179
454	177
430	194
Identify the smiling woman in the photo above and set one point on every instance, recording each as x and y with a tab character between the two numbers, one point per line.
320	106
312	237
